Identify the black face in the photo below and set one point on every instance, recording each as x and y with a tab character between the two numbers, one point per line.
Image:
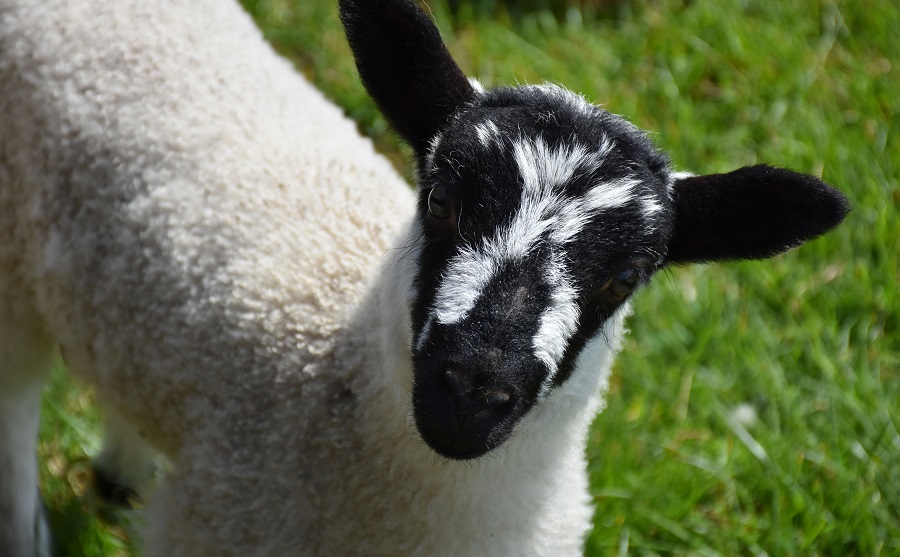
540	215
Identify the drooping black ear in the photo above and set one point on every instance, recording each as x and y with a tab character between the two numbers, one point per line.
405	66
750	213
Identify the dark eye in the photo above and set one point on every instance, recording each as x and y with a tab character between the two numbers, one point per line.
623	283
439	203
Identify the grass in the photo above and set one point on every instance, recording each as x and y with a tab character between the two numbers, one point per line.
755	407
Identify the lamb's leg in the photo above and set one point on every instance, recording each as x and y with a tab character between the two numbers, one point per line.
126	466
26	355
23	528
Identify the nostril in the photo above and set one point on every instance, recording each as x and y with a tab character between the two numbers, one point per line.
495	397
460	383
492	404
473	398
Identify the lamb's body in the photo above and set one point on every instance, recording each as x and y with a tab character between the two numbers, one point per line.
218	251
202	233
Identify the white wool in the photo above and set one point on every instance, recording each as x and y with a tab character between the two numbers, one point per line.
209	240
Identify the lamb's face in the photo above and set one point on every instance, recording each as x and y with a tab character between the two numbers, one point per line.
540	214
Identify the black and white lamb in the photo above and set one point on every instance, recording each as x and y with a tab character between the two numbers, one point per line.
333	363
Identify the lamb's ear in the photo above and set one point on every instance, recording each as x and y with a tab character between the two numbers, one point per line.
750	213
405	66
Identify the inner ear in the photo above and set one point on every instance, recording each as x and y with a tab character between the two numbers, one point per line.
405	67
751	213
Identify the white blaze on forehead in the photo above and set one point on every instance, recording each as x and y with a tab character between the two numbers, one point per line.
544	169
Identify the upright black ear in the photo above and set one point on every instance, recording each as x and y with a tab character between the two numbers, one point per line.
750	213
405	66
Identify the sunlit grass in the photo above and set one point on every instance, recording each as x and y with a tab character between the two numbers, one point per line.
81	523
755	407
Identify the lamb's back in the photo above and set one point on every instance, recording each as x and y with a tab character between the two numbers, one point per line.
182	204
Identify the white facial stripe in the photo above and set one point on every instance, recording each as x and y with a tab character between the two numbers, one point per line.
543	171
487	133
578	212
558	322
467	275
544	212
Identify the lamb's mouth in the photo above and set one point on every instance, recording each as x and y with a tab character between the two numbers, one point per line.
464	440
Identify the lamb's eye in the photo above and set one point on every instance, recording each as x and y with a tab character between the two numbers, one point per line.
623	283
439	203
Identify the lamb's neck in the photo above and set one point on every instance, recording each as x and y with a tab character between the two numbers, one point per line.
529	492
565	414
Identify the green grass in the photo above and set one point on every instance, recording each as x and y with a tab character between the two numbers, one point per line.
809	340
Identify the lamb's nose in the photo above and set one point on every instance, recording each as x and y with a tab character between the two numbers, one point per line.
472	397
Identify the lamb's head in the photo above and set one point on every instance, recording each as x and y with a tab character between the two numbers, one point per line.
539	215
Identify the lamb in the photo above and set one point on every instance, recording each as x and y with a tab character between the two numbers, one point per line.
334	364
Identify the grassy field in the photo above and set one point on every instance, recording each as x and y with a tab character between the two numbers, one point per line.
755	408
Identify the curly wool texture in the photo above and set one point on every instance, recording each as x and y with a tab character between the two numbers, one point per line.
212	244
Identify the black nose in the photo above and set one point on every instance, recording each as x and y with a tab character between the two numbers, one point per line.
463	411
478	401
